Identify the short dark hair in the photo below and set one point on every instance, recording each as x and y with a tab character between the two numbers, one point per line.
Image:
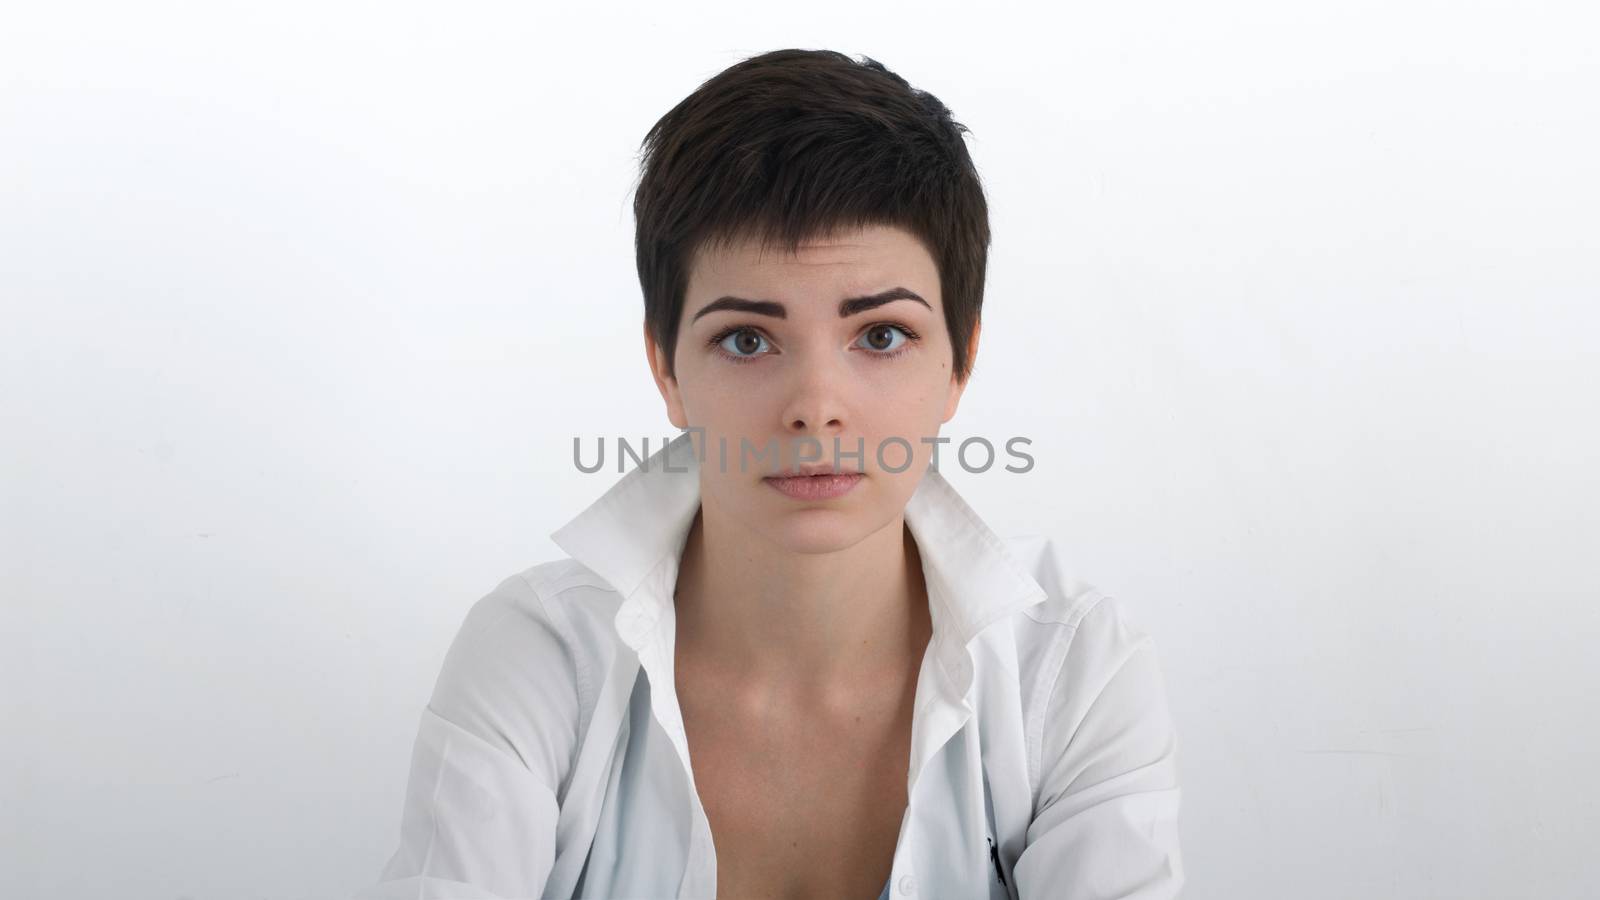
793	145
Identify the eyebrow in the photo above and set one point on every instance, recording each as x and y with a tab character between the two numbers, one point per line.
847	307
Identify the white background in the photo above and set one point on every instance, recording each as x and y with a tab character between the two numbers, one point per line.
303	304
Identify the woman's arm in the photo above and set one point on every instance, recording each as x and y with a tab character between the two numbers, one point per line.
480	813
1106	823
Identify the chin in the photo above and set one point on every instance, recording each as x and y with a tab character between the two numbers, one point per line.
818	531
819	527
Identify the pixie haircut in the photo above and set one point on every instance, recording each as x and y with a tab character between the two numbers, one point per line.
795	145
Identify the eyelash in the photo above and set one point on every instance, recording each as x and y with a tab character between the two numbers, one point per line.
911	339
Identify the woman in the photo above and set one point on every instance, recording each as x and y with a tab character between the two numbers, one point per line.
751	680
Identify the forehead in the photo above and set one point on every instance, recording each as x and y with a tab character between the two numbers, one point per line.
856	257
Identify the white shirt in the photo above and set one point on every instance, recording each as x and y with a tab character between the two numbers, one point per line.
551	759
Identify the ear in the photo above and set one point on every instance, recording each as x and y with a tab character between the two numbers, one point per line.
959	386
666	384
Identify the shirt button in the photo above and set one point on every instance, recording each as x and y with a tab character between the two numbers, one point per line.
908	885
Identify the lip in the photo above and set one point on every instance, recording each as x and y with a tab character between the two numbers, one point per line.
815	487
817	468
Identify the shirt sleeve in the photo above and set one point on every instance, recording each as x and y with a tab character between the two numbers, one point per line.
480	812
1106	820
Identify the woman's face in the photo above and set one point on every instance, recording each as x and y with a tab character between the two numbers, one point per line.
795	368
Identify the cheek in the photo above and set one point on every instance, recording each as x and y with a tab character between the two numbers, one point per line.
911	408
720	399
916	388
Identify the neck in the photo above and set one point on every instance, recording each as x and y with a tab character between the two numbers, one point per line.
809	627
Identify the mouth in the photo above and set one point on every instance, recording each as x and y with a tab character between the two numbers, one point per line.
816	469
826	485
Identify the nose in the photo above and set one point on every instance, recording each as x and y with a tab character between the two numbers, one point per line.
816	404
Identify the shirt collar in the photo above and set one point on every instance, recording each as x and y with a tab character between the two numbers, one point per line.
633	537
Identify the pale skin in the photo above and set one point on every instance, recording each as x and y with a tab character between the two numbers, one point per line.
802	625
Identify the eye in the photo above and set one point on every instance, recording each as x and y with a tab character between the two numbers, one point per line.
741	344
880	339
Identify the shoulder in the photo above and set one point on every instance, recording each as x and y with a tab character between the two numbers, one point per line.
560	602
1077	646
550	620
1101	745
518	673
516	616
1076	618
1071	605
